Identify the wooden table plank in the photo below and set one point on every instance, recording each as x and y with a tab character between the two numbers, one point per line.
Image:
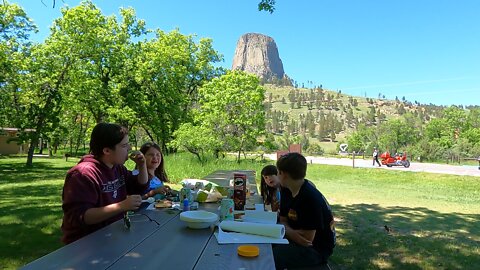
225	256
173	247
104	247
216	256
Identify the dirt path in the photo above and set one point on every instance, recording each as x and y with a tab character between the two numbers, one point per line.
414	166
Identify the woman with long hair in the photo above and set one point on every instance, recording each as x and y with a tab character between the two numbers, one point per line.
270	187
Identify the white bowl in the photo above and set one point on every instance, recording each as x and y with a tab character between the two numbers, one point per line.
198	219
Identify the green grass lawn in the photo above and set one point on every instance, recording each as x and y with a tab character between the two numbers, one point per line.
433	219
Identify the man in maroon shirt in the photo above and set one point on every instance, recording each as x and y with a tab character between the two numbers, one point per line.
99	189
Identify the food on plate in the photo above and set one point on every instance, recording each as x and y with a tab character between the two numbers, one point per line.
163	204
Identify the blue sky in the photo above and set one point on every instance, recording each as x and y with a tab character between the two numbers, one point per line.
425	50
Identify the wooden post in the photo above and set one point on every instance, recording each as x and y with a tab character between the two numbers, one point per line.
353	159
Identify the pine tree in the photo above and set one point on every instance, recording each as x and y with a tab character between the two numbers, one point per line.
332	136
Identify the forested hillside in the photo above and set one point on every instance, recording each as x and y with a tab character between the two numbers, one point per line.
319	117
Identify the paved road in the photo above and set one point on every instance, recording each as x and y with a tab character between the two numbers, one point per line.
414	166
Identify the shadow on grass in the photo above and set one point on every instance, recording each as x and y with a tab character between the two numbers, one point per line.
373	237
30	224
16	172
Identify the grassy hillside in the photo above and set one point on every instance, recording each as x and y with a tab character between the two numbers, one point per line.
277	98
386	106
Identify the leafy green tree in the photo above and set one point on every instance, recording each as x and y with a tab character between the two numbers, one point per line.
456	118
269	142
472	135
100	45
355	142
15	28
396	134
440	131
197	140
232	105
473	118
41	95
32	79
363	139
163	79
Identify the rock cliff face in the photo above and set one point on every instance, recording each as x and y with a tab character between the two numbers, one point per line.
258	54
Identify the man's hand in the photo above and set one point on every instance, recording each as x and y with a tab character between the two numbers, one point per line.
161	190
138	158
132	202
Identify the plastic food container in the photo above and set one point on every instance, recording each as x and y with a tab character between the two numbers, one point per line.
198	219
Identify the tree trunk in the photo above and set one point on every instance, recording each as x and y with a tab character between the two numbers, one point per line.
196	154
149	134
80	133
238	157
65	145
86	128
164	147
33	142
40	145
199	157
50	150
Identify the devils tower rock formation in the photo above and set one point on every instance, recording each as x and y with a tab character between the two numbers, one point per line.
258	54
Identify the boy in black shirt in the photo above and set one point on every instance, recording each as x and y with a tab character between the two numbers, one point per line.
307	217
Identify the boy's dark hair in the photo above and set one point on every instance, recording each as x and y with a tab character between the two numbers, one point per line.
106	135
294	164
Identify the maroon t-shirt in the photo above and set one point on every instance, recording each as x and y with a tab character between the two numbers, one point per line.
92	184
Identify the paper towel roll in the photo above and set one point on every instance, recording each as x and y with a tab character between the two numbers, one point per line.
260	217
270	230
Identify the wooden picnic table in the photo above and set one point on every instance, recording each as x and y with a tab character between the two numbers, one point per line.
146	245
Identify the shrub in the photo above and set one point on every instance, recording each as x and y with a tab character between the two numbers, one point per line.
315	149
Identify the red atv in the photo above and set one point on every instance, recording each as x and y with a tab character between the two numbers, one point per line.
397	160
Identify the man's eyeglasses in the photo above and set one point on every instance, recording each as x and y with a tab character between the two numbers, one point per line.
127	222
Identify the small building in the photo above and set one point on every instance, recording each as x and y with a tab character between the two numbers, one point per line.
8	143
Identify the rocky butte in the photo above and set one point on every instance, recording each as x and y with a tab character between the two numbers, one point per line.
258	54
